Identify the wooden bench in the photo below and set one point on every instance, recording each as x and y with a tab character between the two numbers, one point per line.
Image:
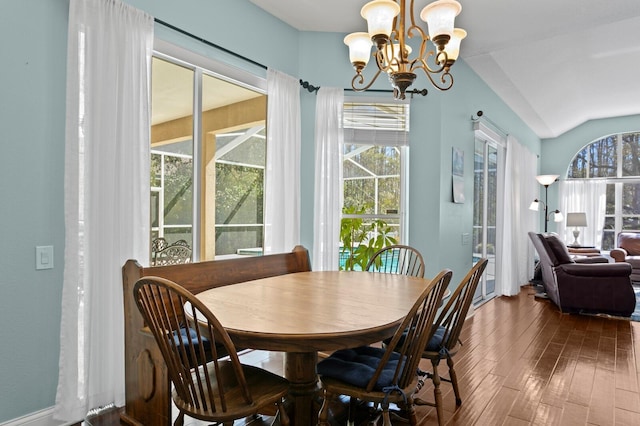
147	385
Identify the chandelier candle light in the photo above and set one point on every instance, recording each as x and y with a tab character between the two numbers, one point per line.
387	29
546	180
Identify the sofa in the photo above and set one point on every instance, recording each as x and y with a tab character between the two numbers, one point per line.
583	287
628	250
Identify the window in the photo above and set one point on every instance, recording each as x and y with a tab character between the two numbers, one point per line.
375	166
208	144
239	183
615	158
172	188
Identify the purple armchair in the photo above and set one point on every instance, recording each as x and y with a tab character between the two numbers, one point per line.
583	287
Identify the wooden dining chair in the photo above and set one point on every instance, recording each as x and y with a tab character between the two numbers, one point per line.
397	259
205	387
385	375
445	340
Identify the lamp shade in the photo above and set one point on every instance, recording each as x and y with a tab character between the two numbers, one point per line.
359	47
453	47
379	15
535	205
576	219
546	180
558	216
440	17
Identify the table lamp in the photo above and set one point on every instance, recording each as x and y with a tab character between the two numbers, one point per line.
576	220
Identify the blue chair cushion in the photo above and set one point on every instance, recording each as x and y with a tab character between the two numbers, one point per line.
189	334
433	344
436	341
357	366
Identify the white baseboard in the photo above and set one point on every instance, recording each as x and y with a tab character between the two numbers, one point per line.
39	418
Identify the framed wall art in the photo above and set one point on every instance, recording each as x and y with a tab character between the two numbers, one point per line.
457	174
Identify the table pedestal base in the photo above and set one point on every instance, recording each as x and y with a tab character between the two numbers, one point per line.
300	370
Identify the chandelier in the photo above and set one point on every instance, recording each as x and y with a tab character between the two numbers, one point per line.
389	30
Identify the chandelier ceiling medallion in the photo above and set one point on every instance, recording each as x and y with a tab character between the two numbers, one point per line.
389	30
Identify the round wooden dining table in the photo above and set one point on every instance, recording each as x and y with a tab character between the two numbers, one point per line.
306	312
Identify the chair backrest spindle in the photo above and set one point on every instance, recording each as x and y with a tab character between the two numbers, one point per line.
163	305
453	315
412	335
397	259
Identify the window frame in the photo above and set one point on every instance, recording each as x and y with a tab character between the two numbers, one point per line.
404	153
205	66
619	180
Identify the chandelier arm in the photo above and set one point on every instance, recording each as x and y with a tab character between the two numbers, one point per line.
383	63
420	32
446	78
399	24
421	62
413	21
423	47
358	80
442	58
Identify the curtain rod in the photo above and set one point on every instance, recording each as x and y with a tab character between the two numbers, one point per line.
304	84
311	88
208	43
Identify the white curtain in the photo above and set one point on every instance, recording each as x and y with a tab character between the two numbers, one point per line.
328	179
587	196
515	266
282	188
106	195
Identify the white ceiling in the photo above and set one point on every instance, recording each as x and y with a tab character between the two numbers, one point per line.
172	92
556	63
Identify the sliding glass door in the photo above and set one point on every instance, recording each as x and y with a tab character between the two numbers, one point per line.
485	208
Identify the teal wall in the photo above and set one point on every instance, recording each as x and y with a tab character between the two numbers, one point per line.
33	34
558	152
439	122
32	116
32	111
262	37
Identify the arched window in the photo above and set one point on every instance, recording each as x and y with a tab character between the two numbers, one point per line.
616	159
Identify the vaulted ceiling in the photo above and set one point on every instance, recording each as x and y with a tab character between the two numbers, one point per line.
557	64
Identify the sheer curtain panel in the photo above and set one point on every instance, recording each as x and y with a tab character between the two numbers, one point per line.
515	266
587	196
282	187
328	179
106	195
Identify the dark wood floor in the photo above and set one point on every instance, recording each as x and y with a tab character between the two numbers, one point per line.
525	363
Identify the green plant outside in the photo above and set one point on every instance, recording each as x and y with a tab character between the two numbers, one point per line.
361	240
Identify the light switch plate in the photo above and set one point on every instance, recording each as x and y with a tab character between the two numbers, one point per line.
44	257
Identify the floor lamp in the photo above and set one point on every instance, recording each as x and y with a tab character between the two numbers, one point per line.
546	180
